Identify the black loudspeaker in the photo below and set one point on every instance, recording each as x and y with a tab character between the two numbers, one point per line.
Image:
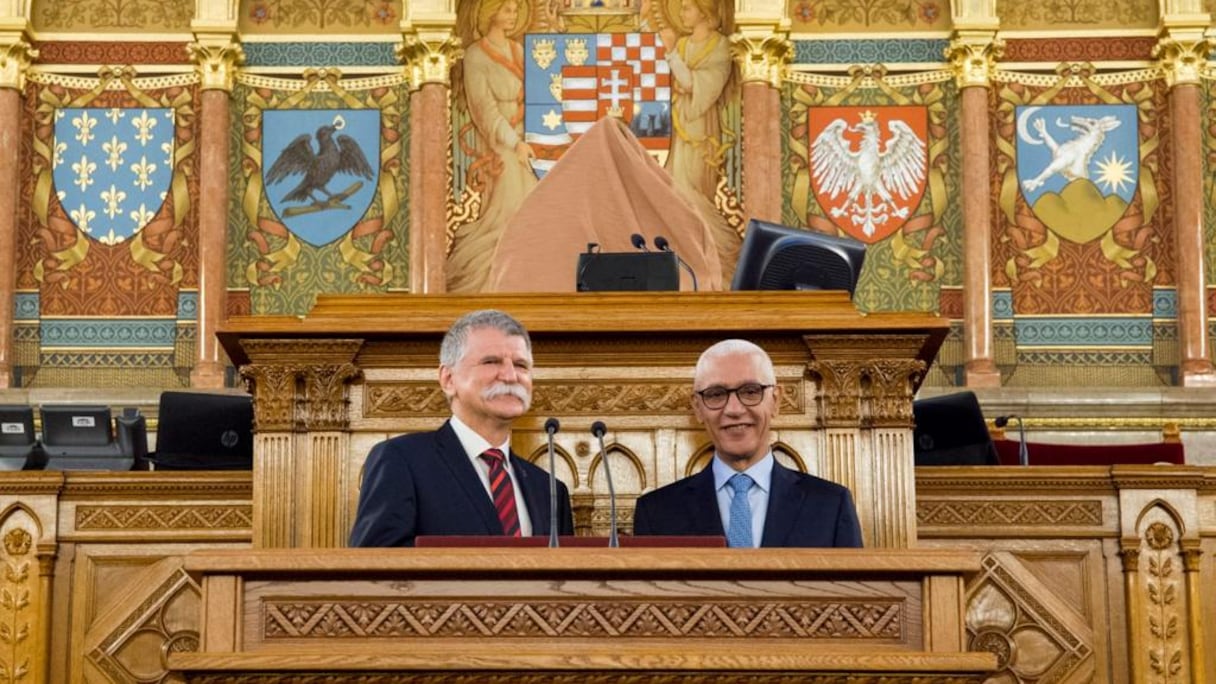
622	271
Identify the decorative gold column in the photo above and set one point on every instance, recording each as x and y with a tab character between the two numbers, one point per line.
217	56
428	50
15	57
863	399
302	435
972	54
762	51
1182	50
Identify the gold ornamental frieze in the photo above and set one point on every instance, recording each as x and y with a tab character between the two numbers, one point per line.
827	618
175	518
969	514
424	399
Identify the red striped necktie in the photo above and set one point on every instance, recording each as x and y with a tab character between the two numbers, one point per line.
502	492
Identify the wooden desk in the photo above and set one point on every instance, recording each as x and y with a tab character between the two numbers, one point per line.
576	615
358	369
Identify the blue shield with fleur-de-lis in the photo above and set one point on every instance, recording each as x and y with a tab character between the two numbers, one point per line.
112	167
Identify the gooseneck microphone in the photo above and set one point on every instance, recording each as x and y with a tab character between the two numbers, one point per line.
664	246
551	428
638	242
1023	450
598	429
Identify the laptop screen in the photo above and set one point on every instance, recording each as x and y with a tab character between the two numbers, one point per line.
203	430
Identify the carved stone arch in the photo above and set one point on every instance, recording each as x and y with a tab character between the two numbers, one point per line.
699	459
625	486
12	511
567	471
1170	511
792	459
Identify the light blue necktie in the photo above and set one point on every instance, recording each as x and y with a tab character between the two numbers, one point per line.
739	533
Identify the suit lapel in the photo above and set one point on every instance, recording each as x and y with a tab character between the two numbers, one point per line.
702	503
536	495
784	502
451	453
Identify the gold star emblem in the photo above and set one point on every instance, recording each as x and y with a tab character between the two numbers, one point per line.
552	120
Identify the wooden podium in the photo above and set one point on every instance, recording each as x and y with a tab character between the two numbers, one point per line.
358	369
583	615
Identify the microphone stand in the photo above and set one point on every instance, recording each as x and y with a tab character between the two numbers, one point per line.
598	429
1023	449
663	245
551	427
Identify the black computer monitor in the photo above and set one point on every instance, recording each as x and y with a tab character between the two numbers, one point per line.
204	431
17	439
950	430
776	257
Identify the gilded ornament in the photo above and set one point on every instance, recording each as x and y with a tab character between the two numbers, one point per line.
762	59
973	59
429	59
216	63
1184	60
15	60
18	542
1158	536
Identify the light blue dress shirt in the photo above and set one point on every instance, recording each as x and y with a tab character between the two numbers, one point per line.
760	472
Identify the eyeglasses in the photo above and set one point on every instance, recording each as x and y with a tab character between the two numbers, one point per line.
750	394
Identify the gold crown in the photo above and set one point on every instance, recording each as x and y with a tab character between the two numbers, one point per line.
867	116
617	112
544	51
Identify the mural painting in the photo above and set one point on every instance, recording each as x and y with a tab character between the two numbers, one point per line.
106	283
1083	256
321	191
533	79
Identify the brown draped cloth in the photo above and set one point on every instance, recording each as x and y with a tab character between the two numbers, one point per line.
603	189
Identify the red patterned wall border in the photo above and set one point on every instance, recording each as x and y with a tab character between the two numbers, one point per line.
951	303
72	52
1078	49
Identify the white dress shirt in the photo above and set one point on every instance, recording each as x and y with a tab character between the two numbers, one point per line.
474	446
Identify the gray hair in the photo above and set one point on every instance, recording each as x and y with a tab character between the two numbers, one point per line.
736	346
454	342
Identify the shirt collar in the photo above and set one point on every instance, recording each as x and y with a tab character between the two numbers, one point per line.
474	444
761	472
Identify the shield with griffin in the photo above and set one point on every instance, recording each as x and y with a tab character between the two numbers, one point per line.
315	168
868	166
112	168
1078	166
572	80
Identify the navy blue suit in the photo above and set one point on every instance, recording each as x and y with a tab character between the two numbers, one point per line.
803	511
424	483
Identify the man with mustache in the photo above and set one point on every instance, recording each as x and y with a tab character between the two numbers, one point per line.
744	493
463	479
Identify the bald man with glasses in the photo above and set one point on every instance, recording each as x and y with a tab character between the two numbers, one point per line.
744	494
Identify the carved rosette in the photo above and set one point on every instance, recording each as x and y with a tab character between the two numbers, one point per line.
16	55
429	57
300	385
889	392
972	57
216	62
1183	57
762	58
18	617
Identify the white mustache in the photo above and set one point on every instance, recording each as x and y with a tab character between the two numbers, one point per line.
513	389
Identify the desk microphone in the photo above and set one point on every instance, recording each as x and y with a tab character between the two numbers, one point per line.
598	429
1023	451
551	428
639	242
664	246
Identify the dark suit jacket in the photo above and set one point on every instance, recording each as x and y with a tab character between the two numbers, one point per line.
424	483
803	511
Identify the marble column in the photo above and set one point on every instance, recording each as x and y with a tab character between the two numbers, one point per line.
15	56
428	187
217	61
762	60
972	56
428	52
